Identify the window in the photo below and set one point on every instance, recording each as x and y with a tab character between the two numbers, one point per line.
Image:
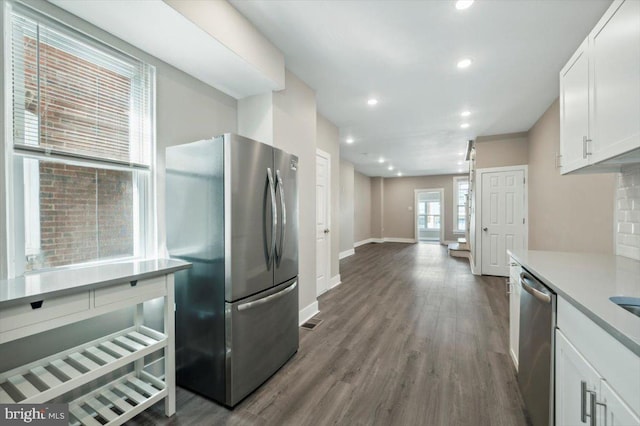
81	152
460	194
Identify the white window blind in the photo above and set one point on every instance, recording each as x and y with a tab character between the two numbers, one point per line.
82	147
90	101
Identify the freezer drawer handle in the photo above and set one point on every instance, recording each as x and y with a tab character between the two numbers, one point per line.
524	277
274	215
267	299
283	207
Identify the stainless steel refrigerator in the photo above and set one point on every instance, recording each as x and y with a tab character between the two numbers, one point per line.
232	211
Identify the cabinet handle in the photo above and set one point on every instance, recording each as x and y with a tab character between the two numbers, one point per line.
37	305
585	151
604	406
592	404
508	285
558	157
583	401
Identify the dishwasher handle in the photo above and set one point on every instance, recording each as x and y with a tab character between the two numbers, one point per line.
525	278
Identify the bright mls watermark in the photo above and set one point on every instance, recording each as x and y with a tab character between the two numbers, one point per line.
34	414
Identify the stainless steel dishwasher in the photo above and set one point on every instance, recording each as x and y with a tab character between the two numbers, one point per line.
536	352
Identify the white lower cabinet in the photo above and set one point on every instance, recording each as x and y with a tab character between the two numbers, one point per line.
594	374
514	309
614	412
576	383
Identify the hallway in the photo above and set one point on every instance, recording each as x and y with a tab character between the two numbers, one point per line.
410	337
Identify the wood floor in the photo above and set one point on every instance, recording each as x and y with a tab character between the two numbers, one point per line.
410	337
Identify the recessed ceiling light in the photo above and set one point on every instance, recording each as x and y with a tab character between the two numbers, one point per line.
459	163
461	153
399	173
390	168
372	101
464	125
380	160
464	63
459	170
463	4
465	113
349	140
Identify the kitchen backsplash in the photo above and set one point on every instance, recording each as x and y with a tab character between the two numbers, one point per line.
628	212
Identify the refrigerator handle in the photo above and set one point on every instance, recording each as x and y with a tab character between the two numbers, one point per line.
274	215
283	222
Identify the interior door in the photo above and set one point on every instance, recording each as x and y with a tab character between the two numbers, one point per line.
286	176
503	225
322	224
252	201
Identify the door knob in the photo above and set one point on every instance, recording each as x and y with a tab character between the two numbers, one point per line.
326	231
485	229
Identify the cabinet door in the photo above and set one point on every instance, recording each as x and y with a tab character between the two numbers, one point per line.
514	310
617	413
572	370
574	110
615	71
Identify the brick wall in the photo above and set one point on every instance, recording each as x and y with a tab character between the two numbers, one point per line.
86	213
628	212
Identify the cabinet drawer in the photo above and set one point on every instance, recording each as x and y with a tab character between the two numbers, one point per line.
24	315
134	292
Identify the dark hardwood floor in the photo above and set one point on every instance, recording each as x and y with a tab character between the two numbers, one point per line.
410	337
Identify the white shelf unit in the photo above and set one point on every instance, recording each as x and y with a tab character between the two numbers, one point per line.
54	376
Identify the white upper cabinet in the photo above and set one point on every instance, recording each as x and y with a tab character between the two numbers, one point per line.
600	94
615	70
574	110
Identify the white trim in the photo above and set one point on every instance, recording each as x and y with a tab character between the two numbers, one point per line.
325	155
474	271
399	240
308	312
514	358
346	253
363	242
478	210
454	215
416	236
335	282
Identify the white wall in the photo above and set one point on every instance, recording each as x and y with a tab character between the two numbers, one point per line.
255	117
346	206
328	140
361	207
294	130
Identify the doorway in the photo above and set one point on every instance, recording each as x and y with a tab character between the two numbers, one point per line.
501	219
323	219
429	215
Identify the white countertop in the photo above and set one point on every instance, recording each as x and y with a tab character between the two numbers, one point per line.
33	286
587	280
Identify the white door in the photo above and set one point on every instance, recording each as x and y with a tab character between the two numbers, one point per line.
502	225
322	222
429	215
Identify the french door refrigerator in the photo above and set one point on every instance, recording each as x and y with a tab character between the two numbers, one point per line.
232	211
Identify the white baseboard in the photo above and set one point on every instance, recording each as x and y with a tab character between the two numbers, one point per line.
308	312
367	241
514	358
399	240
474	271
346	253
447	242
335	281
